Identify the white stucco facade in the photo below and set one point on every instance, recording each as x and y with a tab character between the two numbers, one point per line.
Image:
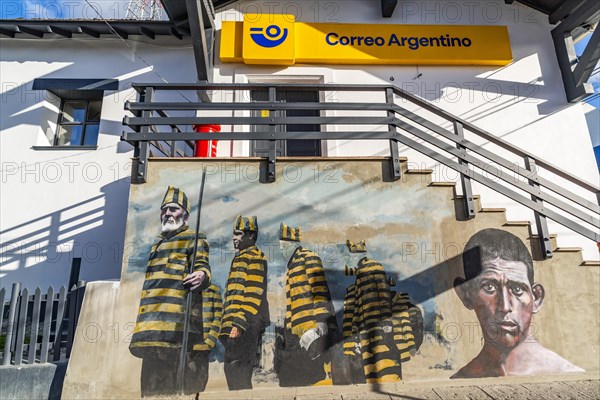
56	205
60	204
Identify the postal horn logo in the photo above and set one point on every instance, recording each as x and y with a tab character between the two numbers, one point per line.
272	36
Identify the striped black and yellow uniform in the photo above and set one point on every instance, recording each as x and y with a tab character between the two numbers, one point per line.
403	332
347	365
212	312
349	324
246	292
160	318
373	317
308	300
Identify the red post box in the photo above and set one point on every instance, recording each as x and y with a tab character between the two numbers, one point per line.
206	148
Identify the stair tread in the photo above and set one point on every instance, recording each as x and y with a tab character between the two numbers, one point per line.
568	249
487	209
419	171
589	263
517	223
443	184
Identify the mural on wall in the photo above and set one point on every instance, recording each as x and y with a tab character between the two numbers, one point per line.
499	286
310	327
246	313
327	291
158	331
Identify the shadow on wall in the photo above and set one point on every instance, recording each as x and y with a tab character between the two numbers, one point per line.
42	249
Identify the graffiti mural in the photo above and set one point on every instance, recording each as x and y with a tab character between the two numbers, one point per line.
499	286
332	275
310	327
173	269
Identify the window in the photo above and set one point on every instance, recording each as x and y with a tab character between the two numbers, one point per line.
79	121
72	116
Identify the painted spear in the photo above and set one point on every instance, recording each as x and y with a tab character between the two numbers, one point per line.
188	300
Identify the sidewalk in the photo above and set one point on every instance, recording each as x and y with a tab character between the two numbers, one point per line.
576	387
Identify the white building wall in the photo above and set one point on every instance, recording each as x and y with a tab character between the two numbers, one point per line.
56	205
524	102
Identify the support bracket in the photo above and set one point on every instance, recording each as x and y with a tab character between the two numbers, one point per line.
540	220
469	204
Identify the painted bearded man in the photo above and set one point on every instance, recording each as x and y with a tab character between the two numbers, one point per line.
158	333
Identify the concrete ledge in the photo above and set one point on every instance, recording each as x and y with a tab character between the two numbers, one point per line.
36	381
566	386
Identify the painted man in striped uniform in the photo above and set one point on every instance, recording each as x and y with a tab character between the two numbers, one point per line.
210	324
246	312
309	319
370	319
158	332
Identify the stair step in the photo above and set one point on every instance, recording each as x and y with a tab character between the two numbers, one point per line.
492	210
460	196
517	223
420	171
567	249
442	184
551	236
590	264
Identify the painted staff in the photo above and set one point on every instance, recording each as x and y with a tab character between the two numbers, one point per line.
188	300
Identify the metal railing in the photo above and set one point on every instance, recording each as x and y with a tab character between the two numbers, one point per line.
40	327
393	115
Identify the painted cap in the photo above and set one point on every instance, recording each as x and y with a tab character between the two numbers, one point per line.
360	247
289	234
177	196
248	224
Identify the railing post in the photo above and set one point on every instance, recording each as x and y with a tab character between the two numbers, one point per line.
394	152
10	326
469	204
540	220
271	168
140	155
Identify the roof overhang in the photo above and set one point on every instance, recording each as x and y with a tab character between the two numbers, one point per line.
48	28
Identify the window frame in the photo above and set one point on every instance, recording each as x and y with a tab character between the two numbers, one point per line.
71	89
83	124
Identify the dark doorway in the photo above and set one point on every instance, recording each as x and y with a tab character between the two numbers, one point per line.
307	148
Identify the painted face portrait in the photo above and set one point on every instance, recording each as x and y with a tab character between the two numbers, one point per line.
504	301
172	217
242	240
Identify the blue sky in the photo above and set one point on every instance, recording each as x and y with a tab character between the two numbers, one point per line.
62	9
595	78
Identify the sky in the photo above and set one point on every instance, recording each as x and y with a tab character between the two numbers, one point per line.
595	78
63	9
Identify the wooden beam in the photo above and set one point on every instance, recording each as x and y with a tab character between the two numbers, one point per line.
61	32
147	32
195	14
174	32
388	7
88	31
588	60
29	31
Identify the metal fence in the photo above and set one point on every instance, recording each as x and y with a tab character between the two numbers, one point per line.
38	327
383	112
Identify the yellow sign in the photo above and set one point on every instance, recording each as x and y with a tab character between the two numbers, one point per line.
268	39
